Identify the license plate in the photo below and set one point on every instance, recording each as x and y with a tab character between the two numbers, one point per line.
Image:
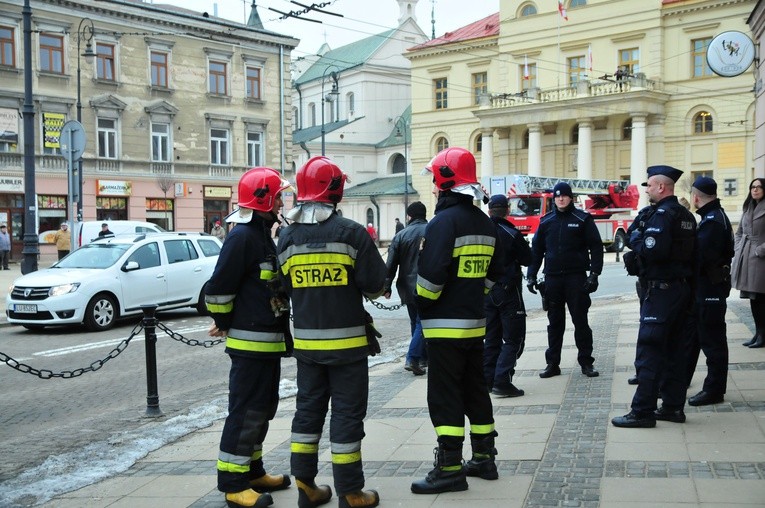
25	308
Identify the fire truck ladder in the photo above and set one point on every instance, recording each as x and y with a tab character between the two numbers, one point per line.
577	184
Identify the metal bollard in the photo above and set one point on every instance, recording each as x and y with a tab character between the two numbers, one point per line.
617	255
152	393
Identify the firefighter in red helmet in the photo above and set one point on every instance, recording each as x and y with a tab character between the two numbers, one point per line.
328	264
242	297
456	267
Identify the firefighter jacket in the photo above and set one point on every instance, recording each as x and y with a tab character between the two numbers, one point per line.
515	251
715	252
568	241
457	266
402	256
239	293
326	267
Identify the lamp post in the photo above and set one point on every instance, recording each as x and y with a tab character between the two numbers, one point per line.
401	120
85	32
334	92
31	244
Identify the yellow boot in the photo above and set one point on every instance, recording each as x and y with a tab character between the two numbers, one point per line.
311	495
248	498
270	483
365	498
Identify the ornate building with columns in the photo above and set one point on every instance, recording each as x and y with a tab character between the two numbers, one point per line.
617	86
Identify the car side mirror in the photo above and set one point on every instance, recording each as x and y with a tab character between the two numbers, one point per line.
130	266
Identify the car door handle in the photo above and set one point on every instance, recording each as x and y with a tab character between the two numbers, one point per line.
198	269
160	275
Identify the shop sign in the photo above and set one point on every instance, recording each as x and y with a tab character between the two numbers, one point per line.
218	192
113	188
11	184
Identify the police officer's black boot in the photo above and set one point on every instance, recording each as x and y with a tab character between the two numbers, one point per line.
759	340
448	475
482	464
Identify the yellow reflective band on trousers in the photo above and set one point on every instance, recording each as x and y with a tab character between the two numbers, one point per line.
346	458
330	344
220	308
447	430
256	347
228	467
318	258
453	333
482	429
304	447
257	454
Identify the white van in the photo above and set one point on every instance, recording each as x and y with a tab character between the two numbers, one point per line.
88	231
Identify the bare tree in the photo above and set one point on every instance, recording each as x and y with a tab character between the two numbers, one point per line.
165	183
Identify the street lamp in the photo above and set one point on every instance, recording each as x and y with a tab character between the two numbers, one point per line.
329	98
399	122
85	32
31	244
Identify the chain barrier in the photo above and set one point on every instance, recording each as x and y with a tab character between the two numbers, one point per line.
68	374
188	342
382	306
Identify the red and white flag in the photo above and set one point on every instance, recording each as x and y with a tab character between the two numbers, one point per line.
526	67
562	10
589	57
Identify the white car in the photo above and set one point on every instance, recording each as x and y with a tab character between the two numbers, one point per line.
113	277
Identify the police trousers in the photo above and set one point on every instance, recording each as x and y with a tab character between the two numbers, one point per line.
456	388
347	387
252	402
563	291
710	334
505	333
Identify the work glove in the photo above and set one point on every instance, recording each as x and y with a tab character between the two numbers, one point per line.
372	335
532	285
591	284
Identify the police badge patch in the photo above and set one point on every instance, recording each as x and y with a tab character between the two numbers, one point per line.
650	242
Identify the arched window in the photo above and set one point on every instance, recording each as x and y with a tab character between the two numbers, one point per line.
575	135
528	10
312	112
526	139
370	216
441	144
478	144
627	130
399	164
296	118
350	100
702	122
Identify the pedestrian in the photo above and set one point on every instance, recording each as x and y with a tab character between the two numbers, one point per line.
399	225
569	243
63	240
457	264
105	231
748	272
505	309
250	312
665	247
5	246
328	264
372	232
714	240
219	232
403	252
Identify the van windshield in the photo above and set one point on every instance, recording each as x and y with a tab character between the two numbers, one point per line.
94	255
524	206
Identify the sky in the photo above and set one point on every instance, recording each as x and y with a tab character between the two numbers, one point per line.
361	18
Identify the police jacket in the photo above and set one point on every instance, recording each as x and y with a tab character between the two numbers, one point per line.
714	253
666	244
402	256
456	268
515	251
568	241
238	295
326	267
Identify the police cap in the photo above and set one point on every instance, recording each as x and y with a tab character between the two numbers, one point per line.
563	189
706	185
498	201
667	171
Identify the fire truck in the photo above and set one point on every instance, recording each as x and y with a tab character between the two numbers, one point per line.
610	202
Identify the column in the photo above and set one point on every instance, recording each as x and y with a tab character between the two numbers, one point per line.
584	150
487	153
638	155
535	149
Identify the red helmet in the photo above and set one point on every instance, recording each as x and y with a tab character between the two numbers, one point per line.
258	188
452	167
320	180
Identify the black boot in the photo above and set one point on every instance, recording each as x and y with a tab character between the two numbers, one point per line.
482	464
750	341
759	340
448	475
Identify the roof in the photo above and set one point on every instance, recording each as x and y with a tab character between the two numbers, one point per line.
385	186
345	57
310	133
393	138
486	27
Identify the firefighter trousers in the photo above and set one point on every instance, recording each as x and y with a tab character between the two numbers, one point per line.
252	402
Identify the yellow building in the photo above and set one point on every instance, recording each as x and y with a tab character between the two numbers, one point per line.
617	86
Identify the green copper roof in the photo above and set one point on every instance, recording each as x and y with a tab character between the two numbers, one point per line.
393	140
386	186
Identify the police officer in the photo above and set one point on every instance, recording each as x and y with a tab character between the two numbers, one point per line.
456	266
665	247
569	243
328	263
714	238
505	310
239	297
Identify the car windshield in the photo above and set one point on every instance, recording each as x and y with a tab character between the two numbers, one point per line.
523	206
94	255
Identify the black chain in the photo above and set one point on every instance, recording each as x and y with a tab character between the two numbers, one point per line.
382	306
68	374
188	342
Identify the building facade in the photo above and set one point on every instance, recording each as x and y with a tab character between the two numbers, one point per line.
756	22
175	105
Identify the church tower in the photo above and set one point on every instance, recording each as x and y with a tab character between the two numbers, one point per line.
407	10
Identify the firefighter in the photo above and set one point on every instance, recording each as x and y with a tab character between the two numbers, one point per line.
456	268
240	297
569	243
505	310
665	247
328	263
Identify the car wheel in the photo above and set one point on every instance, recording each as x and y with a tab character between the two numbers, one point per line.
620	240
34	328
101	313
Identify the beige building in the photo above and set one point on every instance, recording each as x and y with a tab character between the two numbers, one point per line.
618	86
757	23
176	104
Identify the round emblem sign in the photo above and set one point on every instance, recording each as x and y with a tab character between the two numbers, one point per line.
730	54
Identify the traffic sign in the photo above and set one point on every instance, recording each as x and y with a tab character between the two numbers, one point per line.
73	140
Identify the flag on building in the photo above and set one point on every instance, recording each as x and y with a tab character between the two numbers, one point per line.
562	10
525	67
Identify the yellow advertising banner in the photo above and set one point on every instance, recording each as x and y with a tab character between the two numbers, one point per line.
113	188
52	125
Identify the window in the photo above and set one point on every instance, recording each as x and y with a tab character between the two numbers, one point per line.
699	55
296	120
7	47
218	78
209	248
160	142
180	250
627	130
370	216
577	69
219	147
575	134
146	256
105	63
107	138
350	100
52	53
528	10
253	82
577	3
629	60
529	76
159	67
441	144
254	149
480	86
9	132
478	143
526	139
702	122
440	93
312	112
